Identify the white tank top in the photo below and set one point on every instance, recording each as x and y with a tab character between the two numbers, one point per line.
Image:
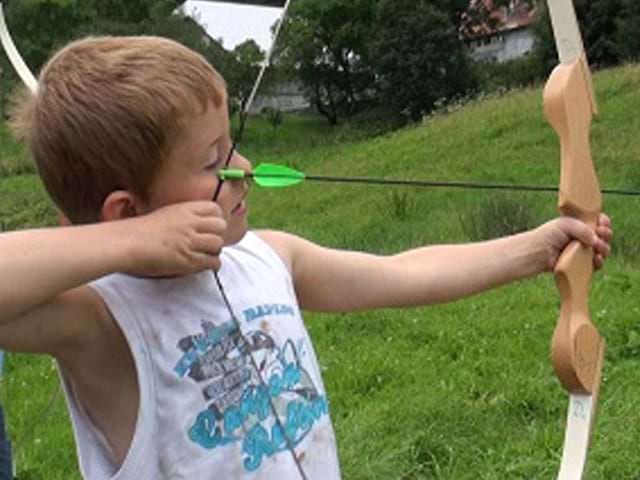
204	412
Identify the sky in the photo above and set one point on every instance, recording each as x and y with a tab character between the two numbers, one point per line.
234	23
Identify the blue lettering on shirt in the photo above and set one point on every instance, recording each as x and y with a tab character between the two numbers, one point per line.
261	311
260	441
202	343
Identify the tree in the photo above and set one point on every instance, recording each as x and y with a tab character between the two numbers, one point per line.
38	27
420	58
41	26
599	21
242	70
600	28
404	55
628	33
325	44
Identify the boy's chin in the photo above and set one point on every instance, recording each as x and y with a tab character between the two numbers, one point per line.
235	237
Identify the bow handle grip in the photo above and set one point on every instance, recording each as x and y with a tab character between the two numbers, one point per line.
577	346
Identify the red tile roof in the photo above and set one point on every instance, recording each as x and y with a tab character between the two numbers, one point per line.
498	19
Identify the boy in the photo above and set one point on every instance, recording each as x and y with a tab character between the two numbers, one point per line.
164	380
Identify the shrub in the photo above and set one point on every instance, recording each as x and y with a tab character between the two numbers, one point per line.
516	73
274	116
498	217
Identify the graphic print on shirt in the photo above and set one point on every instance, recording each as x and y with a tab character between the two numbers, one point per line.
238	404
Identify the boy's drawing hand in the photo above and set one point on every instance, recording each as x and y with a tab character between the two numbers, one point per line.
557	234
178	240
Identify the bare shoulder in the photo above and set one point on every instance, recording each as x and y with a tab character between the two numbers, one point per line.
295	251
285	244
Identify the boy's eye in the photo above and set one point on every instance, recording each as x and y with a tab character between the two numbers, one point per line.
214	163
218	157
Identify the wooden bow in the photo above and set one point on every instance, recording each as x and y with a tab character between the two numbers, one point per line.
14	56
577	347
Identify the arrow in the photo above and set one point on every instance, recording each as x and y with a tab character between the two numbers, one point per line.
270	175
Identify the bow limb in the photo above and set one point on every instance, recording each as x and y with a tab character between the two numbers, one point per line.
14	56
577	347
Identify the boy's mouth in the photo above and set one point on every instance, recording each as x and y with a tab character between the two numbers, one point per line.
241	207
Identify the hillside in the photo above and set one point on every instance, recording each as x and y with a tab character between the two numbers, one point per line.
461	391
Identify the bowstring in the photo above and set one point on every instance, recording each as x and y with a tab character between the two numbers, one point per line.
242	119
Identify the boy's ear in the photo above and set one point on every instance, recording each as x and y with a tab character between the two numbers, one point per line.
119	205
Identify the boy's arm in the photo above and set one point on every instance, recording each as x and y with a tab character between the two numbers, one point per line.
61	327
334	280
45	305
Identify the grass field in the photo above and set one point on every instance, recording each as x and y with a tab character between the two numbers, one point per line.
460	391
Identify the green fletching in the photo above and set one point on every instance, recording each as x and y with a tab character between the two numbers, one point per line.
266	175
274	176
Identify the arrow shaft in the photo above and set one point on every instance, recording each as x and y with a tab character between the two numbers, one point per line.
432	184
435	184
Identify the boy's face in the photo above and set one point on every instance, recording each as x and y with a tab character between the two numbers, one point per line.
191	171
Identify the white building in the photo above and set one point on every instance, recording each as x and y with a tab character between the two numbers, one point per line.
507	36
285	96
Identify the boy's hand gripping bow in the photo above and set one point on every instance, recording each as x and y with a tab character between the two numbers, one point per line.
577	347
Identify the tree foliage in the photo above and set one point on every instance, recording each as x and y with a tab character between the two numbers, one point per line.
41	26
242	70
352	56
628	30
420	59
406	56
325	44
610	29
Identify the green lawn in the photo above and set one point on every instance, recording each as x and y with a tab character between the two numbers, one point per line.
461	391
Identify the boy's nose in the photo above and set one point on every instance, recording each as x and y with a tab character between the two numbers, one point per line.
241	162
